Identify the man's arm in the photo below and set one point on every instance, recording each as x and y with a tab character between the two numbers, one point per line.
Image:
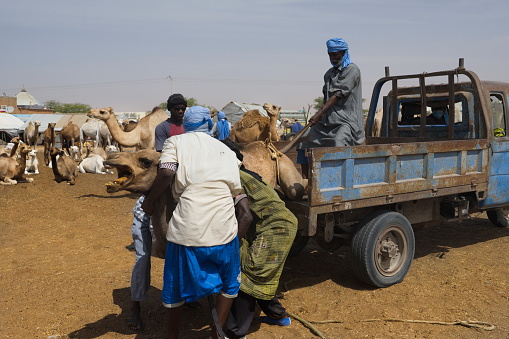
321	112
244	217
163	179
161	134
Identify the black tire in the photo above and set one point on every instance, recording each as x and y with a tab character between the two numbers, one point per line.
499	217
299	243
383	249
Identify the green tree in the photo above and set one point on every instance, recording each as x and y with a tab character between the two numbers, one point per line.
76	107
318	103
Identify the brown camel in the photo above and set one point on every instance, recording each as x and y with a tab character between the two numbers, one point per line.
136	173
275	168
64	168
142	136
49	141
11	152
69	135
12	170
253	126
129	125
31	133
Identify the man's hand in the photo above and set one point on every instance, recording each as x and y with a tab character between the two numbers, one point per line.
316	118
147	207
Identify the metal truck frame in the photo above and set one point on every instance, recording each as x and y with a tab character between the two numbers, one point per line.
411	172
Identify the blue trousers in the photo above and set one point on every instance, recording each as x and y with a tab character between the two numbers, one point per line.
142	237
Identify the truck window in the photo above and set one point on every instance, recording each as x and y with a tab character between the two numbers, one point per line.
497	110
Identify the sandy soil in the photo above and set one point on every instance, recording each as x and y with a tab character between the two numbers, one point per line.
65	273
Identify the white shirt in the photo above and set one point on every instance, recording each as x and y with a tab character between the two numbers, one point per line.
206	180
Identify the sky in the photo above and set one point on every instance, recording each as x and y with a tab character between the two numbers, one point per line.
131	55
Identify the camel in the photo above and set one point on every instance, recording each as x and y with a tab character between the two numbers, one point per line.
11	148
129	125
96	130
276	169
142	136
93	164
103	153
12	170
64	168
31	133
49	141
32	164
69	135
137	171
74	153
285	123
253	126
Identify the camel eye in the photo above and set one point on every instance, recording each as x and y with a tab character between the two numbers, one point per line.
146	163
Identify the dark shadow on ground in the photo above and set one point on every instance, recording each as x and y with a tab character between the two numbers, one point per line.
195	322
315	265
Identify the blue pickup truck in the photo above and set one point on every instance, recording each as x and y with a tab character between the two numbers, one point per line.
436	150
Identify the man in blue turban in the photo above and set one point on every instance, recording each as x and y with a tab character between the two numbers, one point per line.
340	121
222	127
202	253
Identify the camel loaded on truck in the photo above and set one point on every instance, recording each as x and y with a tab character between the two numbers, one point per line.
441	155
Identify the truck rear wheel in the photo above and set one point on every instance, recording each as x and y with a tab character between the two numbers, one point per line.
499	217
383	249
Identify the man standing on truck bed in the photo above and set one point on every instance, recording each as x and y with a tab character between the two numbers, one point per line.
340	121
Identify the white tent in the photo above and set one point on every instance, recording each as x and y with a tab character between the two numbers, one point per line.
9	126
235	110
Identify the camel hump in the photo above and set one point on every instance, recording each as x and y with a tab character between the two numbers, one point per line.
252	117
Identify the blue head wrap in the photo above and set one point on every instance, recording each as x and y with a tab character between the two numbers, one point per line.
223	127
337	45
197	119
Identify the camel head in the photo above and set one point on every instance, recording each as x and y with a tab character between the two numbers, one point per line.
15	140
136	170
285	122
24	149
36	123
101	113
56	151
51	125
272	110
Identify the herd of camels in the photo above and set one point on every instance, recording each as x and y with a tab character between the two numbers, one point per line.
254	132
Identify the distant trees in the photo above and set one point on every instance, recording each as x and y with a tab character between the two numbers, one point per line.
60	107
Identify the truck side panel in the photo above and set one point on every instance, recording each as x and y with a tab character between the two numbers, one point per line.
373	171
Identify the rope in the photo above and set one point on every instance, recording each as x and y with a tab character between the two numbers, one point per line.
274	155
307	324
468	323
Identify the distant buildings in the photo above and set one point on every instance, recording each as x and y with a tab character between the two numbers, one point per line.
22	103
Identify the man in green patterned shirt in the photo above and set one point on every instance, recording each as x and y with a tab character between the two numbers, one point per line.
266	231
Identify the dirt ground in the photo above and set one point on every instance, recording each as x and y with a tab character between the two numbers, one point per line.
65	273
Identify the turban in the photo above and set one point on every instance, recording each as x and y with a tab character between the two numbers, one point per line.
197	119
176	99
221	115
337	45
